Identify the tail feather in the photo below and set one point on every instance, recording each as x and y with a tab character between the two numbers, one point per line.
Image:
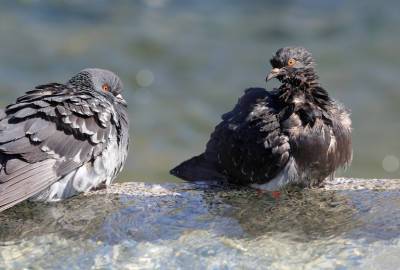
198	169
2	114
25	181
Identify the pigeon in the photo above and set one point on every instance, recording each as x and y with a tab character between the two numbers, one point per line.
294	135
59	140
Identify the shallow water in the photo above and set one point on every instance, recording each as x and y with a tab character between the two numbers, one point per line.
184	63
181	226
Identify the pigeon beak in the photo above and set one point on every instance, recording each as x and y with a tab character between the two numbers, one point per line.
120	99
275	72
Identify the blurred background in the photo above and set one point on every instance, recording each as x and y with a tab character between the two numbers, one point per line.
185	62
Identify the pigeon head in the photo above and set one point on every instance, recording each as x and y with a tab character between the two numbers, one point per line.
293	65
100	80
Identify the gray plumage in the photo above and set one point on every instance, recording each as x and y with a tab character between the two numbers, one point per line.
295	134
61	139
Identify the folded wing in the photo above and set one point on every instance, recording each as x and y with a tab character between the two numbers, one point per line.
247	147
46	134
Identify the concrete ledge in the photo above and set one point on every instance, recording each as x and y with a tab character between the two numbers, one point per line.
358	183
146	189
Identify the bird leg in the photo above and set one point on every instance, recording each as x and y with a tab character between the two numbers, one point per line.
274	194
101	186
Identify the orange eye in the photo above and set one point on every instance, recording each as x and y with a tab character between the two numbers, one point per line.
291	62
105	87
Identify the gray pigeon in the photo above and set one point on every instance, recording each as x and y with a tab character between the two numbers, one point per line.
295	134
62	139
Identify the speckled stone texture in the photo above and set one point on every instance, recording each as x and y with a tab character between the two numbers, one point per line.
357	184
145	189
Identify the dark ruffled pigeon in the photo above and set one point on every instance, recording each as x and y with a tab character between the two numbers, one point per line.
295	134
62	139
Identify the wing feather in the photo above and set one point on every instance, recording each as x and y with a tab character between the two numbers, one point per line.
248	144
247	147
23	185
47	133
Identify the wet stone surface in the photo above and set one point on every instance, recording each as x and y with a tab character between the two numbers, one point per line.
349	223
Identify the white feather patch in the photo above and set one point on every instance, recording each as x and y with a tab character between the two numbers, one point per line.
289	174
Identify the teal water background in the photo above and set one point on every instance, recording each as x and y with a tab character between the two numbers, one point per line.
184	63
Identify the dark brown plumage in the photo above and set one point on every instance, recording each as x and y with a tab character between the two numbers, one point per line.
295	134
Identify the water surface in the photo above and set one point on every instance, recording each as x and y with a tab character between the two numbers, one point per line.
181	226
